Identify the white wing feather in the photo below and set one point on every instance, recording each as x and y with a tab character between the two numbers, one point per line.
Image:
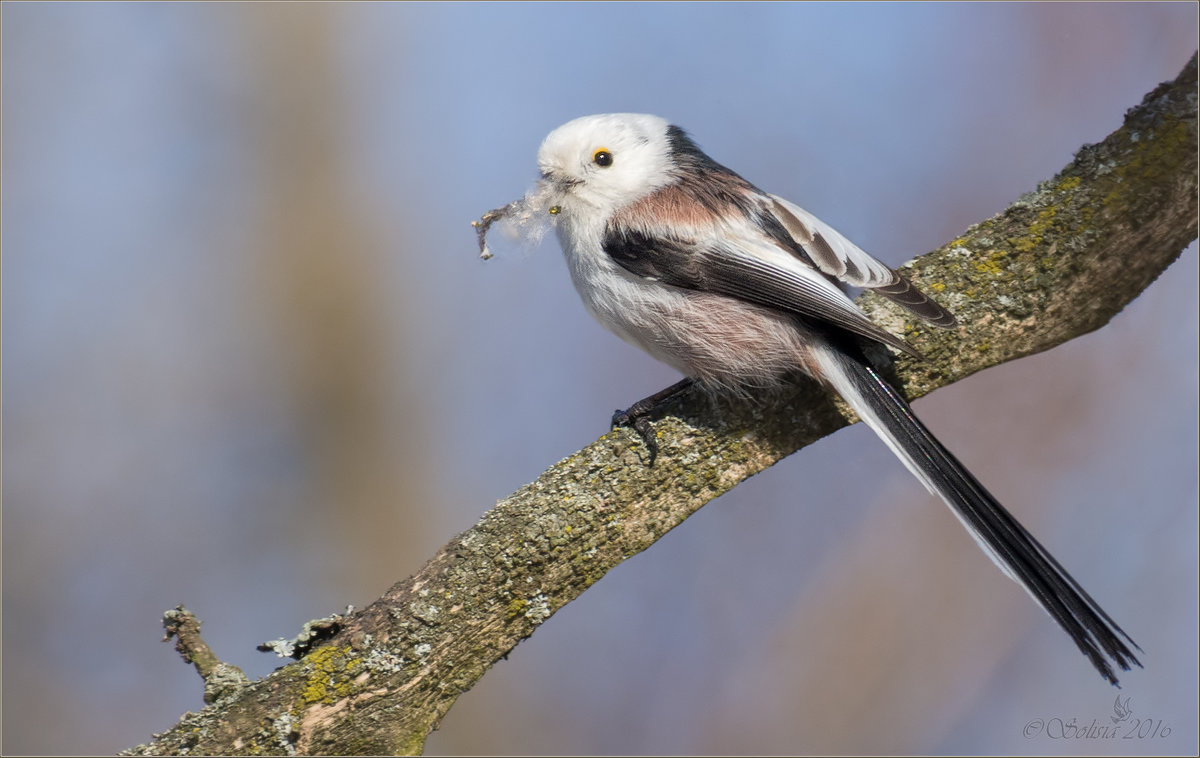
830	251
838	257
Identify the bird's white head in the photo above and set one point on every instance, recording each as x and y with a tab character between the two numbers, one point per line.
605	161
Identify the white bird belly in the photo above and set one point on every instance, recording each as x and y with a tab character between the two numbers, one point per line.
720	341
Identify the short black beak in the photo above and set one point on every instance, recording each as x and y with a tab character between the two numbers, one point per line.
554	177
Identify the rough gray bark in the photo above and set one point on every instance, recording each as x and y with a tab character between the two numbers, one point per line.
1058	263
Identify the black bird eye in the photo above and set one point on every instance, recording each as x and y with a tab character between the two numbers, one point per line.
602	158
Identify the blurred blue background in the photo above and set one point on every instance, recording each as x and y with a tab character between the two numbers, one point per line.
254	365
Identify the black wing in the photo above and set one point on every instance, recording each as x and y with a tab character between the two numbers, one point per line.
749	267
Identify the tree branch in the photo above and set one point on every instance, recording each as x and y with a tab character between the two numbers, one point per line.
1058	263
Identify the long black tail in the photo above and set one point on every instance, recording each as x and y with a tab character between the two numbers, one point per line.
999	534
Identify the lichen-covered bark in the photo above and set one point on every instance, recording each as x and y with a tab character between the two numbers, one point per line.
1059	262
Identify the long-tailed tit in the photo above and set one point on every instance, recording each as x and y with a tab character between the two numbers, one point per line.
737	288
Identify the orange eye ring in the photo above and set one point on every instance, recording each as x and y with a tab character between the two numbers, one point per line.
602	157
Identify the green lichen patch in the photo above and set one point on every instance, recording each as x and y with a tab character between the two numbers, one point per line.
330	674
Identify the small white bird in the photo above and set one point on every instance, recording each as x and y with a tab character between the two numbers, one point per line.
737	288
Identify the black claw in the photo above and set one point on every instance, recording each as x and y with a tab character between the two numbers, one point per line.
642	427
636	416
620	418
